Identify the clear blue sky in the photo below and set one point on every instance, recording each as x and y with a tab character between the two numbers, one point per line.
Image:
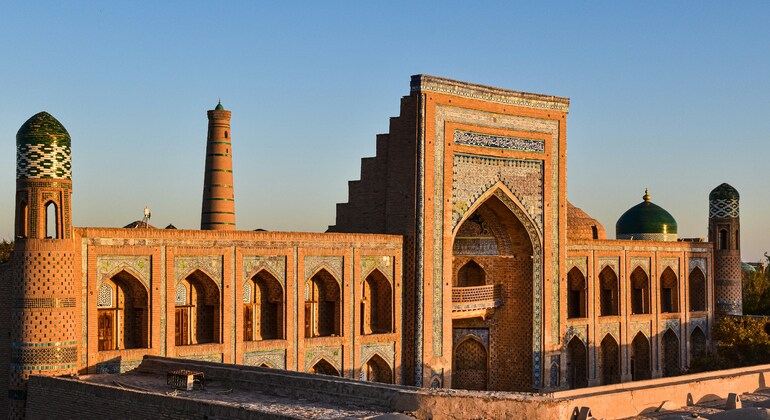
674	96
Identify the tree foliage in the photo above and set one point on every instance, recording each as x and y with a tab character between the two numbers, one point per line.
5	251
741	341
756	291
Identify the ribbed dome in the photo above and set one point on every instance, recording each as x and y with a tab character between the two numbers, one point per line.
724	192
43	149
582	226
646	221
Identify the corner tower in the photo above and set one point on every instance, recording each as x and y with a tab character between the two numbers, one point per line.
218	211
44	297
725	233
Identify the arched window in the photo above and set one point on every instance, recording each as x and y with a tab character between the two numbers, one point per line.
670	354
377	370
262	308
610	359
323	367
22	219
51	221
577	302
640	292
470	365
323	308
226	134
577	363
608	295
122	311
471	275
697	290
640	358
376	305
722	238
669	291
197	310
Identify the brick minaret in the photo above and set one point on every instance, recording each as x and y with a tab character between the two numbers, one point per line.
725	233
45	319
218	211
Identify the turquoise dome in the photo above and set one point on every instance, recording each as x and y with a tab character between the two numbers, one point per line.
646	221
219	107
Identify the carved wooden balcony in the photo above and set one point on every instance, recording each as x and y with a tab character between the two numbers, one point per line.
476	301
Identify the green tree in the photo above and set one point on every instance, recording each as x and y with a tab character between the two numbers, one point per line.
756	291
741	341
5	251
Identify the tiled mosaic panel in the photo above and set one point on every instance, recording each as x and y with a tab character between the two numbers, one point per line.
275	359
472	176
43	161
499	142
138	266
723	208
647	236
114	367
384	264
209	264
333	355
385	350
315	262
275	264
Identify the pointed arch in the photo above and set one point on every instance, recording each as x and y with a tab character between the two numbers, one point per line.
123	313
610	360
609	287
640	292
323	367
470	364
376	369
197	312
577	294
698	346
641	360
471	274
263	308
51	220
22	219
577	363
323	305
671	366
376	304
669	291
697	287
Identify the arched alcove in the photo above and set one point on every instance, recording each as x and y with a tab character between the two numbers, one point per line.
323	306
577	363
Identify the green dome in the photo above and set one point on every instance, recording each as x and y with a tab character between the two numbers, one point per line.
646	221
724	192
747	268
219	107
43	149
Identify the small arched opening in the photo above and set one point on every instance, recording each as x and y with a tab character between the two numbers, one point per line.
323	308
640	358
669	291
697	343
51	220
376	305
577	298
577	363
610	359
323	367
470	370
671	366
376	369
22	219
640	292
697	290
263	308
197	319
723	238
608	295
471	275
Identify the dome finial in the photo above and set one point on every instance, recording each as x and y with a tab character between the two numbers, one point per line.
219	105
646	196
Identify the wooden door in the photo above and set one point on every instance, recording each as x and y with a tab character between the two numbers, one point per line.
106	330
182	324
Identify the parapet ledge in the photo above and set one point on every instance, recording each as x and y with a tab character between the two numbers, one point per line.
426	83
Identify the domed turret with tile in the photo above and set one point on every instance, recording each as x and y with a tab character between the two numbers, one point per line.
646	221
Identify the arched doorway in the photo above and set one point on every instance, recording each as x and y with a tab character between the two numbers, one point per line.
494	252
376	369
577	363
610	359
262	308
671	366
376	304
323	309
123	313
197	319
641	367
697	343
470	365
323	367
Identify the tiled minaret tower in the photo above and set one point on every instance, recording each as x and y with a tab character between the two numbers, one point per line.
725	233
45	320
218	211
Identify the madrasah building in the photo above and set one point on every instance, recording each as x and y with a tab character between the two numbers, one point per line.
457	262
